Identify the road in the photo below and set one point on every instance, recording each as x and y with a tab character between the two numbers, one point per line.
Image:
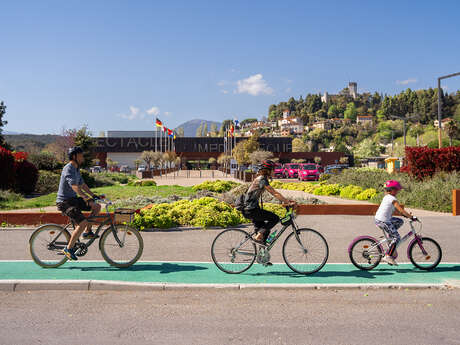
253	317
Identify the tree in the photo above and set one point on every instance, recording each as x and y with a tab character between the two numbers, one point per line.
212	160
451	129
415	131
3	142
137	162
180	131
298	145
247	121
199	130
110	162
213	129
147	157
457	113
204	132
84	139
318	160
367	148
333	111
350	112
243	149
259	156
343	160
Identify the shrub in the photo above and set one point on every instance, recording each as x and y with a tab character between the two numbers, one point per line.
363	177
26	176
327	189
367	194
324	177
350	192
48	182
7	195
7	169
147	183
425	162
96	180
44	161
203	212
217	186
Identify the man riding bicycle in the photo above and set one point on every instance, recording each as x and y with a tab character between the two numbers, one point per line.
73	197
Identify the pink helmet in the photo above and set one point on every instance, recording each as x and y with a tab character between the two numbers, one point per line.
393	184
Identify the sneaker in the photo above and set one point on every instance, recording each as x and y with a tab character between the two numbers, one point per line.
89	235
70	253
389	260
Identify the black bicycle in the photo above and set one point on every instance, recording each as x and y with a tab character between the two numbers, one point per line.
120	245
305	251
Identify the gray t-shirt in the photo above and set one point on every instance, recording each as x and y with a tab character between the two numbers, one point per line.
254	192
69	176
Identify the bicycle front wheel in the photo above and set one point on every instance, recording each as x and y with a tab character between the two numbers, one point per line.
425	258
232	251
307	253
46	243
121	246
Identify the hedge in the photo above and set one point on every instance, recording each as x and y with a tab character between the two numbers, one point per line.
425	162
26	176
218	186
7	171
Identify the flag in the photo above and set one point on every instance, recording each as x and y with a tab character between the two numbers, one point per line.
237	123
174	137
231	130
164	129
170	132
158	123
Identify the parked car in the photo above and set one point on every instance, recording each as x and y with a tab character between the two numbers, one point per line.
309	172
279	171
291	170
142	168
95	169
125	169
335	169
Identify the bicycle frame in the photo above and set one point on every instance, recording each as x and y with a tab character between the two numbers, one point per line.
386	240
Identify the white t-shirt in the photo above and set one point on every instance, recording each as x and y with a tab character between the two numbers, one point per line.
386	209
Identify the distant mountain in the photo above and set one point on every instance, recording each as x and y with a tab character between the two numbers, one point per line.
191	126
30	142
10	133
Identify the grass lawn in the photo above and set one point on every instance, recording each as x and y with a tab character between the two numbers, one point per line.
112	192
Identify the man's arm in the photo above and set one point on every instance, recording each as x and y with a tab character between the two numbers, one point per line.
85	187
78	189
278	195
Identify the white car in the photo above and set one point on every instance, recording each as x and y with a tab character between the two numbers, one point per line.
142	168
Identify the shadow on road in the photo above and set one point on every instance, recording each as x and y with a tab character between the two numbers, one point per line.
161	267
326	274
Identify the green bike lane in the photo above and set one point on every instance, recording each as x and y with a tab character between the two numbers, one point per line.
208	273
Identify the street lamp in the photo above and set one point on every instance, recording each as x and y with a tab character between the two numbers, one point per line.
405	118
439	104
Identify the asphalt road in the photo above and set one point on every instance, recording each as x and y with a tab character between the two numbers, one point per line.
231	317
194	245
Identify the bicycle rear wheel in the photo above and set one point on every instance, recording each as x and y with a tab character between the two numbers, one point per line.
121	246
428	260
232	251
365	254
307	254
46	243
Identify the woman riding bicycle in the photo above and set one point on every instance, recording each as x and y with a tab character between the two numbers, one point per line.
263	220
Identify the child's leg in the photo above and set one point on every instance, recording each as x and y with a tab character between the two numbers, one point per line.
393	225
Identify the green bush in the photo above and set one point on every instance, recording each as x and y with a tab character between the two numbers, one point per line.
218	186
44	161
7	196
204	212
148	183
324	177
48	182
96	179
350	192
367	194
363	177
327	189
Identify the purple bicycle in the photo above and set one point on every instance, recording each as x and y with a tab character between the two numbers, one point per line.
366	252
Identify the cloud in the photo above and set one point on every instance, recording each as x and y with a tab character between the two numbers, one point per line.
133	114
222	83
224	91
254	85
288	90
407	81
153	111
167	113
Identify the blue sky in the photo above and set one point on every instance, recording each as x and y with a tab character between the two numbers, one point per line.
118	64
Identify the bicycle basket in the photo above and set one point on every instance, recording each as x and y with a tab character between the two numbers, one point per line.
124	215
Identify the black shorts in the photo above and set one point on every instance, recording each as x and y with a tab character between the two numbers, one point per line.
72	208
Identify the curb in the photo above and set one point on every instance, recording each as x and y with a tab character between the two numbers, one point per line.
110	285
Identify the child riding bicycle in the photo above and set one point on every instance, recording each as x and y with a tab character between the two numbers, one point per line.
384	218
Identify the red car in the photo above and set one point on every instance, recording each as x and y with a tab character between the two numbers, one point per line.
279	171
291	170
309	172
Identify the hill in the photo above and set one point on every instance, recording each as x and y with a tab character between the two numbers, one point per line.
30	142
191	126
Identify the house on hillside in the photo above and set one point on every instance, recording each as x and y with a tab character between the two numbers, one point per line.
363	119
443	122
324	125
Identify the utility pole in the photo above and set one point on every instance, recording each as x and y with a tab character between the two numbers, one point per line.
439	104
